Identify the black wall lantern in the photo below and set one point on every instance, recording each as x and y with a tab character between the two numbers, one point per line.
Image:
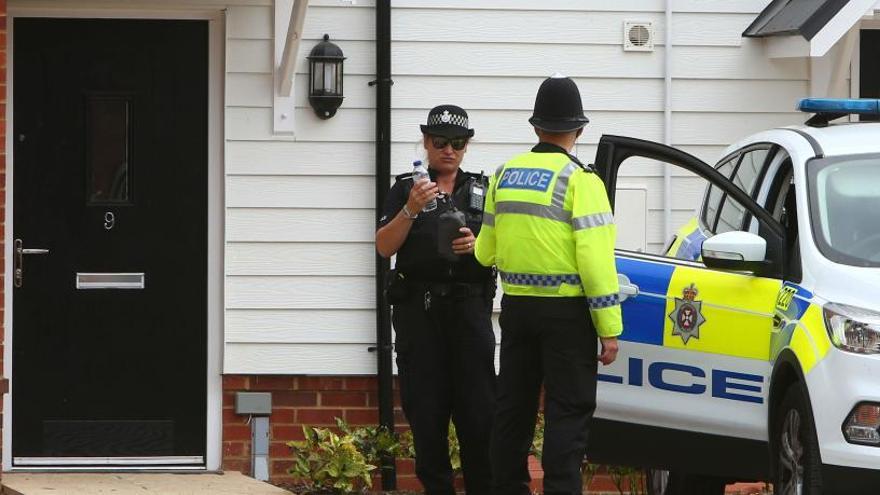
325	78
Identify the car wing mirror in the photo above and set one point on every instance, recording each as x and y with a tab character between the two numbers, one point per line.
736	251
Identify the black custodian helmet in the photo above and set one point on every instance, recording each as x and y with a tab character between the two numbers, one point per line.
558	106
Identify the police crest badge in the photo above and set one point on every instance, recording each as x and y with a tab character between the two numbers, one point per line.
687	315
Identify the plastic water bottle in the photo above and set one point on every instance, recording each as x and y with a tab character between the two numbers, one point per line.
420	173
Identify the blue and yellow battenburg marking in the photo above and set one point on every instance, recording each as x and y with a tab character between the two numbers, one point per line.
801	327
672	311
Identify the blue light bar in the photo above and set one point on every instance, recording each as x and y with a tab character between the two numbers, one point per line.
840	106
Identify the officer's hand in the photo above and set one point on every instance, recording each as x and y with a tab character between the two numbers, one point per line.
465	243
422	192
609	350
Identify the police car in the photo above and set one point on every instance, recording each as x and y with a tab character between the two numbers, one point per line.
751	351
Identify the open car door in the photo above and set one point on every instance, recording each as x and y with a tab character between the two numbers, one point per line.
693	367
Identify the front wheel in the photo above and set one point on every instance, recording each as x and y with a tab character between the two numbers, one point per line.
795	447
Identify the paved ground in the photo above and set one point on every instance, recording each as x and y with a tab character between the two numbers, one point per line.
230	483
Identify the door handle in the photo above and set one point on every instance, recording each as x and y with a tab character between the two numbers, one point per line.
34	251
627	288
20	251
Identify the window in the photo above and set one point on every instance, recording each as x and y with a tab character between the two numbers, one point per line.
713	199
108	144
750	167
733	214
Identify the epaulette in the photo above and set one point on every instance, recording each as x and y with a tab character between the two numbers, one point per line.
404	176
586	168
589	168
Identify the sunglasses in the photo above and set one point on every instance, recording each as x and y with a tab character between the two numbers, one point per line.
440	142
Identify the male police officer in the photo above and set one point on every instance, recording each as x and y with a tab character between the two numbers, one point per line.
442	308
548	228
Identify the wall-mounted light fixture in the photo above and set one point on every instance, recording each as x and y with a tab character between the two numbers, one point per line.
325	78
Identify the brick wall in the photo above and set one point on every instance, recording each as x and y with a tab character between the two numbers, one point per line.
3	382
318	401
297	401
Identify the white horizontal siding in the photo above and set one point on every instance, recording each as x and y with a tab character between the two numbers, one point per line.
301	326
466	59
299	225
298	258
503	126
299	292
716	6
300	192
299	359
300	218
299	158
494	26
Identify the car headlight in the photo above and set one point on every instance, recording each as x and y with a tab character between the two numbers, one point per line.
853	329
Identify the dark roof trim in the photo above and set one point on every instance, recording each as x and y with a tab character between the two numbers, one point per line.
817	148
791	17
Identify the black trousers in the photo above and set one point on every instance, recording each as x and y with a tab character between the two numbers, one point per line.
446	365
549	340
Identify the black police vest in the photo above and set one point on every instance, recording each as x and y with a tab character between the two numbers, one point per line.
418	258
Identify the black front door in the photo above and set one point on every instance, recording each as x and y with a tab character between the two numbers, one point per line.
869	68
109	361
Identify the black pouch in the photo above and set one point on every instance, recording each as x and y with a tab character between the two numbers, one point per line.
396	287
448	224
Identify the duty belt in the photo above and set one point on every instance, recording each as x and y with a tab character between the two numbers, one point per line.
454	289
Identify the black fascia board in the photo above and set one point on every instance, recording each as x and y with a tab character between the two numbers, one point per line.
790	17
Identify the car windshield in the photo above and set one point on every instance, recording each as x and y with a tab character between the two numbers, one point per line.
845	201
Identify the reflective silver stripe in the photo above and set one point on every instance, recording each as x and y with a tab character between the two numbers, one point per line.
488	219
600	302
499	170
540	280
535	210
561	186
594	220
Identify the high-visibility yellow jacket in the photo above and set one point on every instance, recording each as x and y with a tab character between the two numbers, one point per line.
688	242
548	227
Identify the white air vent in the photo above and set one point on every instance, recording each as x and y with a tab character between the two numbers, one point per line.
638	36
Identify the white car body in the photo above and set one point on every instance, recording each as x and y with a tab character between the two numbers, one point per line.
673	389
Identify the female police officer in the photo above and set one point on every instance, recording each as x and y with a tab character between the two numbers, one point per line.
442	305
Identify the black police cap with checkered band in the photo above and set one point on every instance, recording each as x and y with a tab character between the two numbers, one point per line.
449	121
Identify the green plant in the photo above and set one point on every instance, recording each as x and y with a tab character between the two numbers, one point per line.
373	442
454	449
330	462
408	448
588	472
407	445
538	440
625	477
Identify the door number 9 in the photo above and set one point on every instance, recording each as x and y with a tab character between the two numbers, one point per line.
109	220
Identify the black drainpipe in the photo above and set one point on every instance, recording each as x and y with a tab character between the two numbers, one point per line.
383	173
